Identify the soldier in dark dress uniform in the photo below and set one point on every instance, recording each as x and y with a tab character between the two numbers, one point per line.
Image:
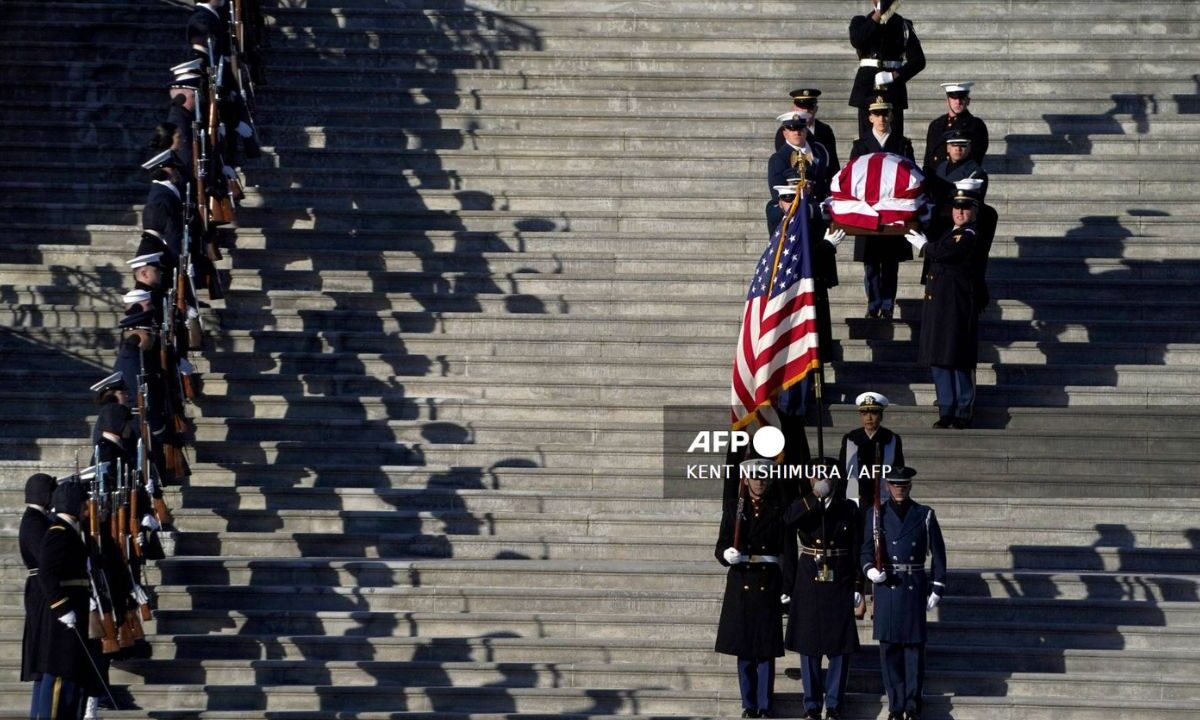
783	166
34	524
904	591
958	117
805	100
761	564
162	216
869	447
821	615
889	55
949	342
880	255
208	27
958	165
60	662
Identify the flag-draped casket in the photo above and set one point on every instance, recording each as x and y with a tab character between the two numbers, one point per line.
880	193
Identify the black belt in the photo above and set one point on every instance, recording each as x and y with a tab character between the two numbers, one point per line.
817	552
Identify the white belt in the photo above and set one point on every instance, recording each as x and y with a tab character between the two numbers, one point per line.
885	64
762	559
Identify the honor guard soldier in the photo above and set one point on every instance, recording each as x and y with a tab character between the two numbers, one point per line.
806	100
881	256
754	544
784	165
958	165
181	112
821	620
824	263
208	28
957	117
147	272
868	449
60	660
34	524
895	548
889	55
162	216
949	342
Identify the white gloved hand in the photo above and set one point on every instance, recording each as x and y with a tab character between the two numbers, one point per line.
229	172
150	522
785	599
917	239
934	599
876	576
732	556
68	619
858	599
93	606
884	77
835	237
244	130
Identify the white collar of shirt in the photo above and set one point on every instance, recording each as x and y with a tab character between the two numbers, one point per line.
804	149
168	184
73	523
212	10
881	138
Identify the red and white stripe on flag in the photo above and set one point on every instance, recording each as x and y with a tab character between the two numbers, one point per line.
777	348
877	190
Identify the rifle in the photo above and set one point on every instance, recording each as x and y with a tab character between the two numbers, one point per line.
133	541
127	630
101	624
878	528
887	14
741	508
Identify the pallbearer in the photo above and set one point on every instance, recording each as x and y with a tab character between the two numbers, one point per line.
957	117
754	545
895	550
821	620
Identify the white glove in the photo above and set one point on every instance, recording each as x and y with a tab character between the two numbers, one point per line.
785	599
934	599
93	606
876	576
917	239
68	619
244	130
884	77
229	172
858	599
732	556
835	237
150	522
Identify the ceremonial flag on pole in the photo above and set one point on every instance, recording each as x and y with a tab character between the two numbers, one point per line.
777	345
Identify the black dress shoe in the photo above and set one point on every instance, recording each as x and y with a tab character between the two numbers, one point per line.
895	716
961	423
764	714
942	424
750	714
813	715
885	314
833	715
872	315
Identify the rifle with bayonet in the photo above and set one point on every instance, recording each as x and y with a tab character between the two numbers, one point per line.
102	620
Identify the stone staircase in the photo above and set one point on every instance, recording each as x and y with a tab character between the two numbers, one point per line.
488	243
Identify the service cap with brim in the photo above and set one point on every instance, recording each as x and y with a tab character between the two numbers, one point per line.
68	498
38	489
958	89
188	66
805	97
133	297
901	476
794	120
108	383
972	185
871	401
143	320
965	199
746	468
166	158
879	103
189	82
956	137
153	260
785	190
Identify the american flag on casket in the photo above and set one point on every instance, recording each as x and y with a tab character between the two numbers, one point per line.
878	192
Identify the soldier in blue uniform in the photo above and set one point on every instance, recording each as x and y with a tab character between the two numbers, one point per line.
905	590
958	165
59	663
806	100
761	566
782	166
889	55
34	524
957	117
821	620
954	297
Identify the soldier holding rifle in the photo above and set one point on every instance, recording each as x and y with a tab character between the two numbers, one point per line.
821	622
889	55
754	545
899	537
